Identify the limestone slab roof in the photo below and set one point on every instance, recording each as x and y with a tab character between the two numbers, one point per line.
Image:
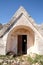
15	17
1	26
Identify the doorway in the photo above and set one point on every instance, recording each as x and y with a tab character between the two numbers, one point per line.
22	44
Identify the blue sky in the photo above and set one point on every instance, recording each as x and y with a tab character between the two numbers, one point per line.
9	7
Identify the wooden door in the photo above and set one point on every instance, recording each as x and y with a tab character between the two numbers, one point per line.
19	44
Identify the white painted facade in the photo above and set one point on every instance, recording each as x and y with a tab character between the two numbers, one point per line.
22	25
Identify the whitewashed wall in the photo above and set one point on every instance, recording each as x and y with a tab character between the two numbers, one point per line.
38	44
3	41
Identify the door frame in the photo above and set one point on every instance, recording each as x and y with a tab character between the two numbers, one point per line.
20	45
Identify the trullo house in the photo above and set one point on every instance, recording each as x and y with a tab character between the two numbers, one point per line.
21	35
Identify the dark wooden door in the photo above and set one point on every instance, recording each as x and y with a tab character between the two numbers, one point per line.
19	44
22	44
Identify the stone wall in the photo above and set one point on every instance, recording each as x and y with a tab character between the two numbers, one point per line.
23	22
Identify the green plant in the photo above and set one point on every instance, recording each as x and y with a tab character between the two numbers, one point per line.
30	59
